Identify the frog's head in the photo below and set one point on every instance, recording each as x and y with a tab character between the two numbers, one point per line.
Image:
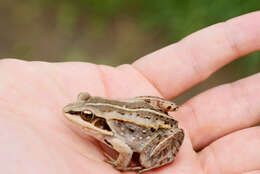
87	116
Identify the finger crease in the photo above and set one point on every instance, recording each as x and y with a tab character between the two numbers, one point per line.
103	80
195	117
230	40
215	159
243	94
149	81
194	60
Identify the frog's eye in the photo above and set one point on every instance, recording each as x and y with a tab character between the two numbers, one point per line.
87	115
83	96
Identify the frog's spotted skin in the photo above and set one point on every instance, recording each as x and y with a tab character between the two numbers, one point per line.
139	124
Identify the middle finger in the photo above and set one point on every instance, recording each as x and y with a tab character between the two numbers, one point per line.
221	110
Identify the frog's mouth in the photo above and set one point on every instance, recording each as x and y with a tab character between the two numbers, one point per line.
89	119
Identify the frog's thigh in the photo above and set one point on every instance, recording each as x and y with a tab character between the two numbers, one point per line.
162	149
125	152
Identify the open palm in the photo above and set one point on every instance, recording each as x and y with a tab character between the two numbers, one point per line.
221	136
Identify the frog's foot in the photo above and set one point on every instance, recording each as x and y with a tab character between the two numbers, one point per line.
109	159
129	168
144	170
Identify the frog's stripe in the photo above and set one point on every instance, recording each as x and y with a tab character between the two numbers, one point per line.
142	117
128	103
150	102
123	108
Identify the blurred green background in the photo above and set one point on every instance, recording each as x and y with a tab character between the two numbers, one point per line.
115	32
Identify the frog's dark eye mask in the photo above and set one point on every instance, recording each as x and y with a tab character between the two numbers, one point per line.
91	118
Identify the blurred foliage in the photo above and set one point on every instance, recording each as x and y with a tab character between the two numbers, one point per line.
108	31
111	31
168	15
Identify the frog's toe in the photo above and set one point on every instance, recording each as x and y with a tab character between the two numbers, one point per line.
110	162
109	159
130	168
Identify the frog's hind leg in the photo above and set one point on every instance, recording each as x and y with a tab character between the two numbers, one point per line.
166	161
159	103
161	150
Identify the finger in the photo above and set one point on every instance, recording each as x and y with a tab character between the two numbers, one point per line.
236	153
252	172
124	81
180	66
221	110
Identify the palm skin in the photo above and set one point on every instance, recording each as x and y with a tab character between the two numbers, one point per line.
220	132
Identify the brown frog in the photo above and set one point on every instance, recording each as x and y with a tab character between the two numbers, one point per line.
139	124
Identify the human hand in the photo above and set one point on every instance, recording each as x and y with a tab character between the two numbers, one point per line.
221	135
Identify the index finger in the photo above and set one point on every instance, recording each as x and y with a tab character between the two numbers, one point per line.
182	65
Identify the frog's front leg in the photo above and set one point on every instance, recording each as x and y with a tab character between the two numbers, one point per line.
125	153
